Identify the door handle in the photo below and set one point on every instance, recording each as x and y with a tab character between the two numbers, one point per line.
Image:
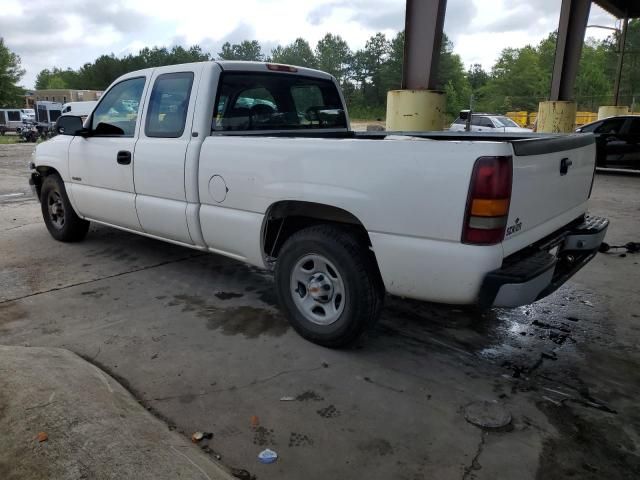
124	157
565	163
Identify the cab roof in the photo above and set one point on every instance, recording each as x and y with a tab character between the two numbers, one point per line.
246	66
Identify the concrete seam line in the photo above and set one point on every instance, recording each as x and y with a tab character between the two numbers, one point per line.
148	267
246	385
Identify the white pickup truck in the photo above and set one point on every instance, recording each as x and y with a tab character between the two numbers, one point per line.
257	162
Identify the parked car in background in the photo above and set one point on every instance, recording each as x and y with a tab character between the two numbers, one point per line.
617	141
81	109
28	114
488	122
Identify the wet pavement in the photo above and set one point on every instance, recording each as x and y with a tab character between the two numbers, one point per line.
199	341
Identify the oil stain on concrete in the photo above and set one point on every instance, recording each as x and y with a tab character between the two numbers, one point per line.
377	446
588	449
250	321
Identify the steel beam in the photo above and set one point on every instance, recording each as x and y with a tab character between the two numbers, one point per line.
424	21
571	29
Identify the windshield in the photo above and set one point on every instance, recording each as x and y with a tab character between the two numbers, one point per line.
505	122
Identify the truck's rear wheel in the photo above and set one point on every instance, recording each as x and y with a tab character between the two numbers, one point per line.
328	285
61	220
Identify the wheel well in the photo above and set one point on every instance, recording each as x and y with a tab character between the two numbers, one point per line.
44	170
285	218
37	176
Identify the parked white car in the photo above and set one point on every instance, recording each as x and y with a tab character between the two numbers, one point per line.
341	217
488	122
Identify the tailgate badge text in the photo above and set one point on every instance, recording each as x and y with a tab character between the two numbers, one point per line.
516	227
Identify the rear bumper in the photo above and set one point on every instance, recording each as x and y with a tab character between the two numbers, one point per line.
536	273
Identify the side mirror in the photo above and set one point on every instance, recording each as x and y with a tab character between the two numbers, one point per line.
69	125
465	114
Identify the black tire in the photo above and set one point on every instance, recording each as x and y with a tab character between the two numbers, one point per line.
61	220
358	277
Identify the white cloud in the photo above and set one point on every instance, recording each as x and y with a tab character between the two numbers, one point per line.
81	30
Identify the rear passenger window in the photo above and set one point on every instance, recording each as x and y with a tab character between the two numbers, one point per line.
168	105
14	116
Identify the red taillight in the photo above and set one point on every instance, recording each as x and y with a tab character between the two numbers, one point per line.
276	67
488	201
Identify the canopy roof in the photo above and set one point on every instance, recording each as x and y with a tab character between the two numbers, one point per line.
618	8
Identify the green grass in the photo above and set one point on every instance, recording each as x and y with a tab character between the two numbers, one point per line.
8	139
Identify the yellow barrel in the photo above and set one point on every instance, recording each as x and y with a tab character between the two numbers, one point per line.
521	118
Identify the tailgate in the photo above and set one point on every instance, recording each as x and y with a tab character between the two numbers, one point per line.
551	184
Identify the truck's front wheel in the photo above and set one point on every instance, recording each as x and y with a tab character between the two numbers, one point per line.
328	285
61	220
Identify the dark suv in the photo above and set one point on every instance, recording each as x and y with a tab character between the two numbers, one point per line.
617	141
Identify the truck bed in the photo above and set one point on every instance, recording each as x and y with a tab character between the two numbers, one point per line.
524	144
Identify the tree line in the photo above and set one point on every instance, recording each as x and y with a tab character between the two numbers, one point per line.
519	79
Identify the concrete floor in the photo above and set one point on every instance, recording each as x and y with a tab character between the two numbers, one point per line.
199	340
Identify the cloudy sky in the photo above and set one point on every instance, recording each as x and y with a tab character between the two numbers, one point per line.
68	33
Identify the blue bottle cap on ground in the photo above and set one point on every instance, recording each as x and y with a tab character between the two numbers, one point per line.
267	456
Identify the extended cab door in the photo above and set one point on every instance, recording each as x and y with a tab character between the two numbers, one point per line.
101	165
161	151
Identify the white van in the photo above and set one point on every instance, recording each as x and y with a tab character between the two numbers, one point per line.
11	119
81	109
47	113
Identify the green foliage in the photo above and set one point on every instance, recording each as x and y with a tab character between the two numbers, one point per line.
246	50
521	78
99	74
477	76
630	82
11	71
334	56
297	53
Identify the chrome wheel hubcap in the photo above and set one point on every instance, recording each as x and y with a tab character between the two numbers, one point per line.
56	209
317	289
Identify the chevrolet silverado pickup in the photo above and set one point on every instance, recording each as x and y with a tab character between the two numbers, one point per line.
257	161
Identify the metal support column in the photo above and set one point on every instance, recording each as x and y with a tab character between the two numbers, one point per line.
419	106
424	22
558	115
574	15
